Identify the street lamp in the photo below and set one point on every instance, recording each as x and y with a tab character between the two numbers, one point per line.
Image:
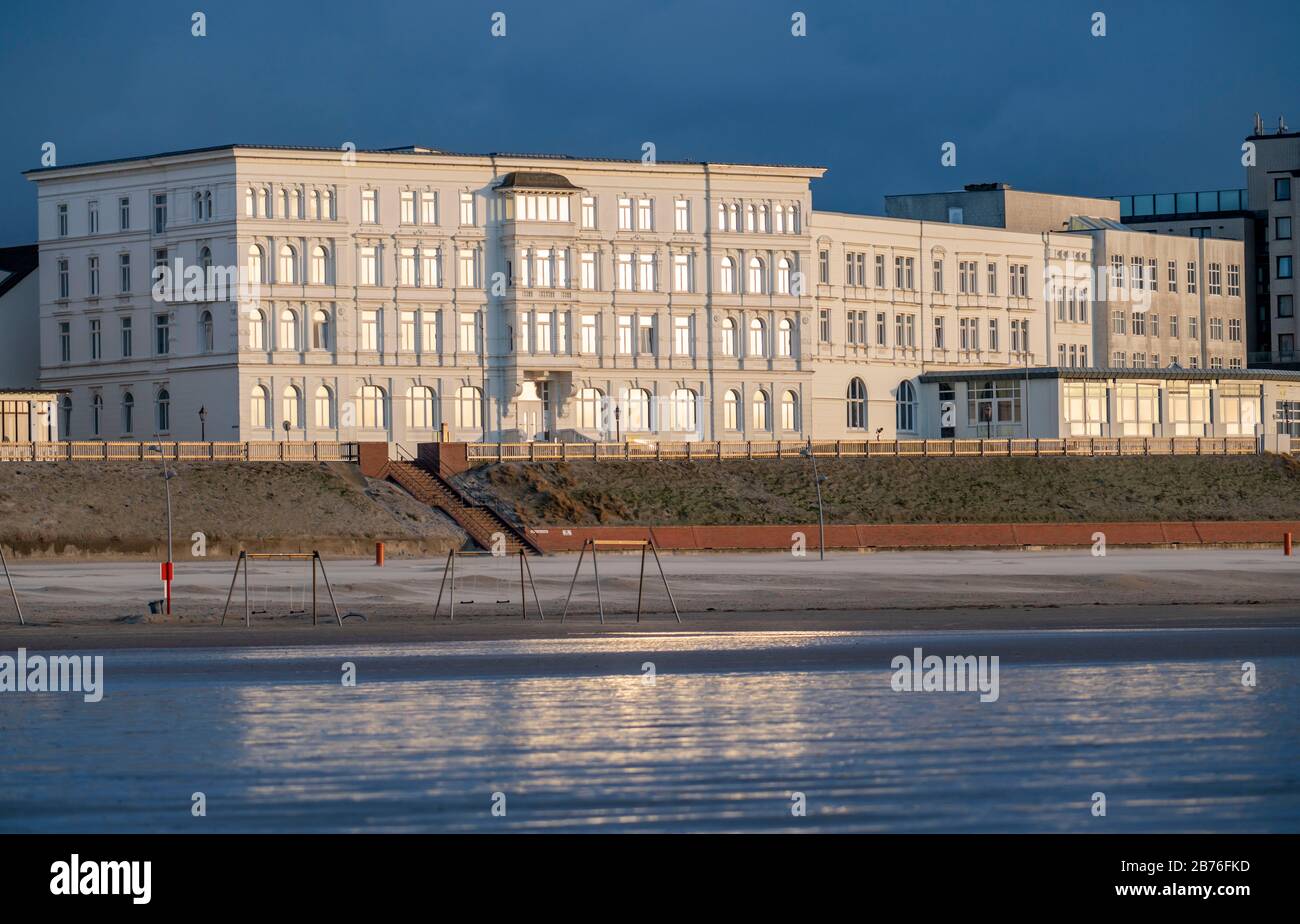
203	423
168	475
821	515
618	431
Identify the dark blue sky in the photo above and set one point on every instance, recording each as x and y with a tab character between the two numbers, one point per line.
1029	96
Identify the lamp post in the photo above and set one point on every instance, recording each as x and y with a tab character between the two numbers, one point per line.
618	430
821	515
168	566
203	423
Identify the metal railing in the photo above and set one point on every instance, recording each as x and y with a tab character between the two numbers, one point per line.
180	451
789	449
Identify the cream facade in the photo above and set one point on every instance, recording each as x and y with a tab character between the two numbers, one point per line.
396	295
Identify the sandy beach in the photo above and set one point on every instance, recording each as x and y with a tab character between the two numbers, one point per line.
103	604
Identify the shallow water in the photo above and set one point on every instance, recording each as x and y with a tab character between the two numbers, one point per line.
577	740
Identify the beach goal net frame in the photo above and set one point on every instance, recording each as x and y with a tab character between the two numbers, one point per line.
12	592
622	545
244	563
449	576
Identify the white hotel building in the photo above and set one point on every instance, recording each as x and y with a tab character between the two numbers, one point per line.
512	297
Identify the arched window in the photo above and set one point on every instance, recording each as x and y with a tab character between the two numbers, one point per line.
288	330
785	337
256	264
727	276
319	266
728	337
757	277
128	413
313	204
757	337
288	269
762	411
762	218
783	276
637	415
681	410
324	408
327	205
749	217
789	411
207	203
421	408
731	410
469	408
198	206
291	407
857	400
96	413
250	202
264	202
65	408
295	205
205	261
205	332
256	329
320	329
906	405
163	405
259	407
372	408
590	402
284	203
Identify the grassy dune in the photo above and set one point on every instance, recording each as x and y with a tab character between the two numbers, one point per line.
894	490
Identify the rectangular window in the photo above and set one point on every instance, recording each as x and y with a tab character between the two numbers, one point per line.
63	278
408	207
824	325
162	335
1216	328
1173	326
1216	279
159	213
429	207
880	271
993	279
124	272
406	332
65	341
1191	278
880	329
1234	280
369	270
624	214
430	268
682	215
993	335
93	275
92	217
938	331
1152	280
1284	267
993	402
1193	327
589	337
1234	330
429	341
824	267
467	217
1137	275
1286	306
625	271
467	269
406	266
63	219
645	215
124	214
370	206
467	337
1282	188
625	335
682	336
681	273
645	334
369	331
1139	323
126	338
543	344
1172	275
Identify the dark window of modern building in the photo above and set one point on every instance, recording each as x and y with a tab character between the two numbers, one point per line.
1284	267
1286	306
1282	188
1282	228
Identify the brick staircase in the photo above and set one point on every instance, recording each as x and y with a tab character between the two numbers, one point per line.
478	520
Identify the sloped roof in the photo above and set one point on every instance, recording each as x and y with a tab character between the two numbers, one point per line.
19	263
534	179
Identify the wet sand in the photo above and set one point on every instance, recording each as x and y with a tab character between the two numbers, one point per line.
100	604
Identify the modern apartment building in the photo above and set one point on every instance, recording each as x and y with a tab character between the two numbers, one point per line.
388	295
1273	186
1160	300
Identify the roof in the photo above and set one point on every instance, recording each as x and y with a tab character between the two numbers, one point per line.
30	392
19	262
410	150
1089	223
534	179
1105	372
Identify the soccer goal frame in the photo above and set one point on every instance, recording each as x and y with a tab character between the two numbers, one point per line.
244	562
449	575
12	592
625	544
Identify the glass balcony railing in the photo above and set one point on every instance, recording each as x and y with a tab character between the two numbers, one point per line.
1182	203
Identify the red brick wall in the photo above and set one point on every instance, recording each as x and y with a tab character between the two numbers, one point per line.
922	536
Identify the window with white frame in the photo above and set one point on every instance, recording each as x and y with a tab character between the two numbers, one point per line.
682	335
467	333
589	339
369	268
682	215
589	212
681	272
369	206
467	217
369	332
